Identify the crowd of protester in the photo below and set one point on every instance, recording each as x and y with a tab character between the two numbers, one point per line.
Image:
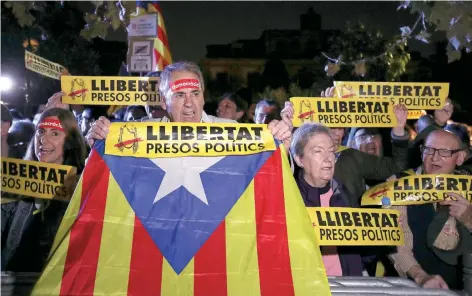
332	167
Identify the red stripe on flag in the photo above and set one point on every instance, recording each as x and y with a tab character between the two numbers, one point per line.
159	60
210	265
86	233
157	7
161	34
275	273
145	276
155	65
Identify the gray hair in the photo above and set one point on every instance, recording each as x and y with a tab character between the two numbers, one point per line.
178	67
303	134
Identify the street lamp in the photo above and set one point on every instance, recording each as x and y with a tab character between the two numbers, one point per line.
6	83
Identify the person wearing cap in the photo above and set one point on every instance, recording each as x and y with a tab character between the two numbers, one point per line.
19	136
182	87
436	235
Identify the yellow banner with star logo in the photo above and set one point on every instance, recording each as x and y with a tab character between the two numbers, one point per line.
170	139
418	189
415	95
339	112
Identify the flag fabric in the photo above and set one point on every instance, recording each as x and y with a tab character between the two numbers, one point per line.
162	56
233	225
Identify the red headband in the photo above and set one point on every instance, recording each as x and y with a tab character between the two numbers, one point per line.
185	83
50	122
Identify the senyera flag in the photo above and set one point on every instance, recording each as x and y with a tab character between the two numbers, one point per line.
233	225
161	49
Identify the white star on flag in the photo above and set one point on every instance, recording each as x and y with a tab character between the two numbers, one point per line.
183	171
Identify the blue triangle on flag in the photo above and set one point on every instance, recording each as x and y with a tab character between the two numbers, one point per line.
180	223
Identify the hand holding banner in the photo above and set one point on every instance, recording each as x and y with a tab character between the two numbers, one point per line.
44	67
418	189
428	96
98	90
37	179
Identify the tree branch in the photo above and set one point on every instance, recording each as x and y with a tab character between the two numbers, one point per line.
395	44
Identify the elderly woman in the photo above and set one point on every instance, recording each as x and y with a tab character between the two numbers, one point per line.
314	152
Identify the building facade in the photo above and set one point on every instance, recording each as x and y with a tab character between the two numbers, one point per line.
297	49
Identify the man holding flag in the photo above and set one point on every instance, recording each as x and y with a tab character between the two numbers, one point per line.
195	225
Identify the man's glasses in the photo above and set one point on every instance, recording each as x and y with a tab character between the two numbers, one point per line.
442	152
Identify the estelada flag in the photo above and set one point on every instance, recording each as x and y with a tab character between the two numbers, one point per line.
233	225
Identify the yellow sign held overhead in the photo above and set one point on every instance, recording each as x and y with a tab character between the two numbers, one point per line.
356	227
44	67
101	90
338	112
37	179
415	114
428	96
418	189
154	139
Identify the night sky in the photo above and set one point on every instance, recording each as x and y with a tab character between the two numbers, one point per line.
193	25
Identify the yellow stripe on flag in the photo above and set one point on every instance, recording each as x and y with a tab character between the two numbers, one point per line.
176	285
305	255
50	281
117	239
163	50
241	249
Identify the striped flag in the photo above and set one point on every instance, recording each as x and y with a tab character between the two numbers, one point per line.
162	56
140	231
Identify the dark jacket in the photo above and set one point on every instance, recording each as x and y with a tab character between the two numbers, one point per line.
354	167
465	168
28	237
425	224
351	262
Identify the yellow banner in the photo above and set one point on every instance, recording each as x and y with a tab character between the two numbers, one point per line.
154	139
428	96
38	179
356	227
415	114
42	66
101	90
338	112
418	189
